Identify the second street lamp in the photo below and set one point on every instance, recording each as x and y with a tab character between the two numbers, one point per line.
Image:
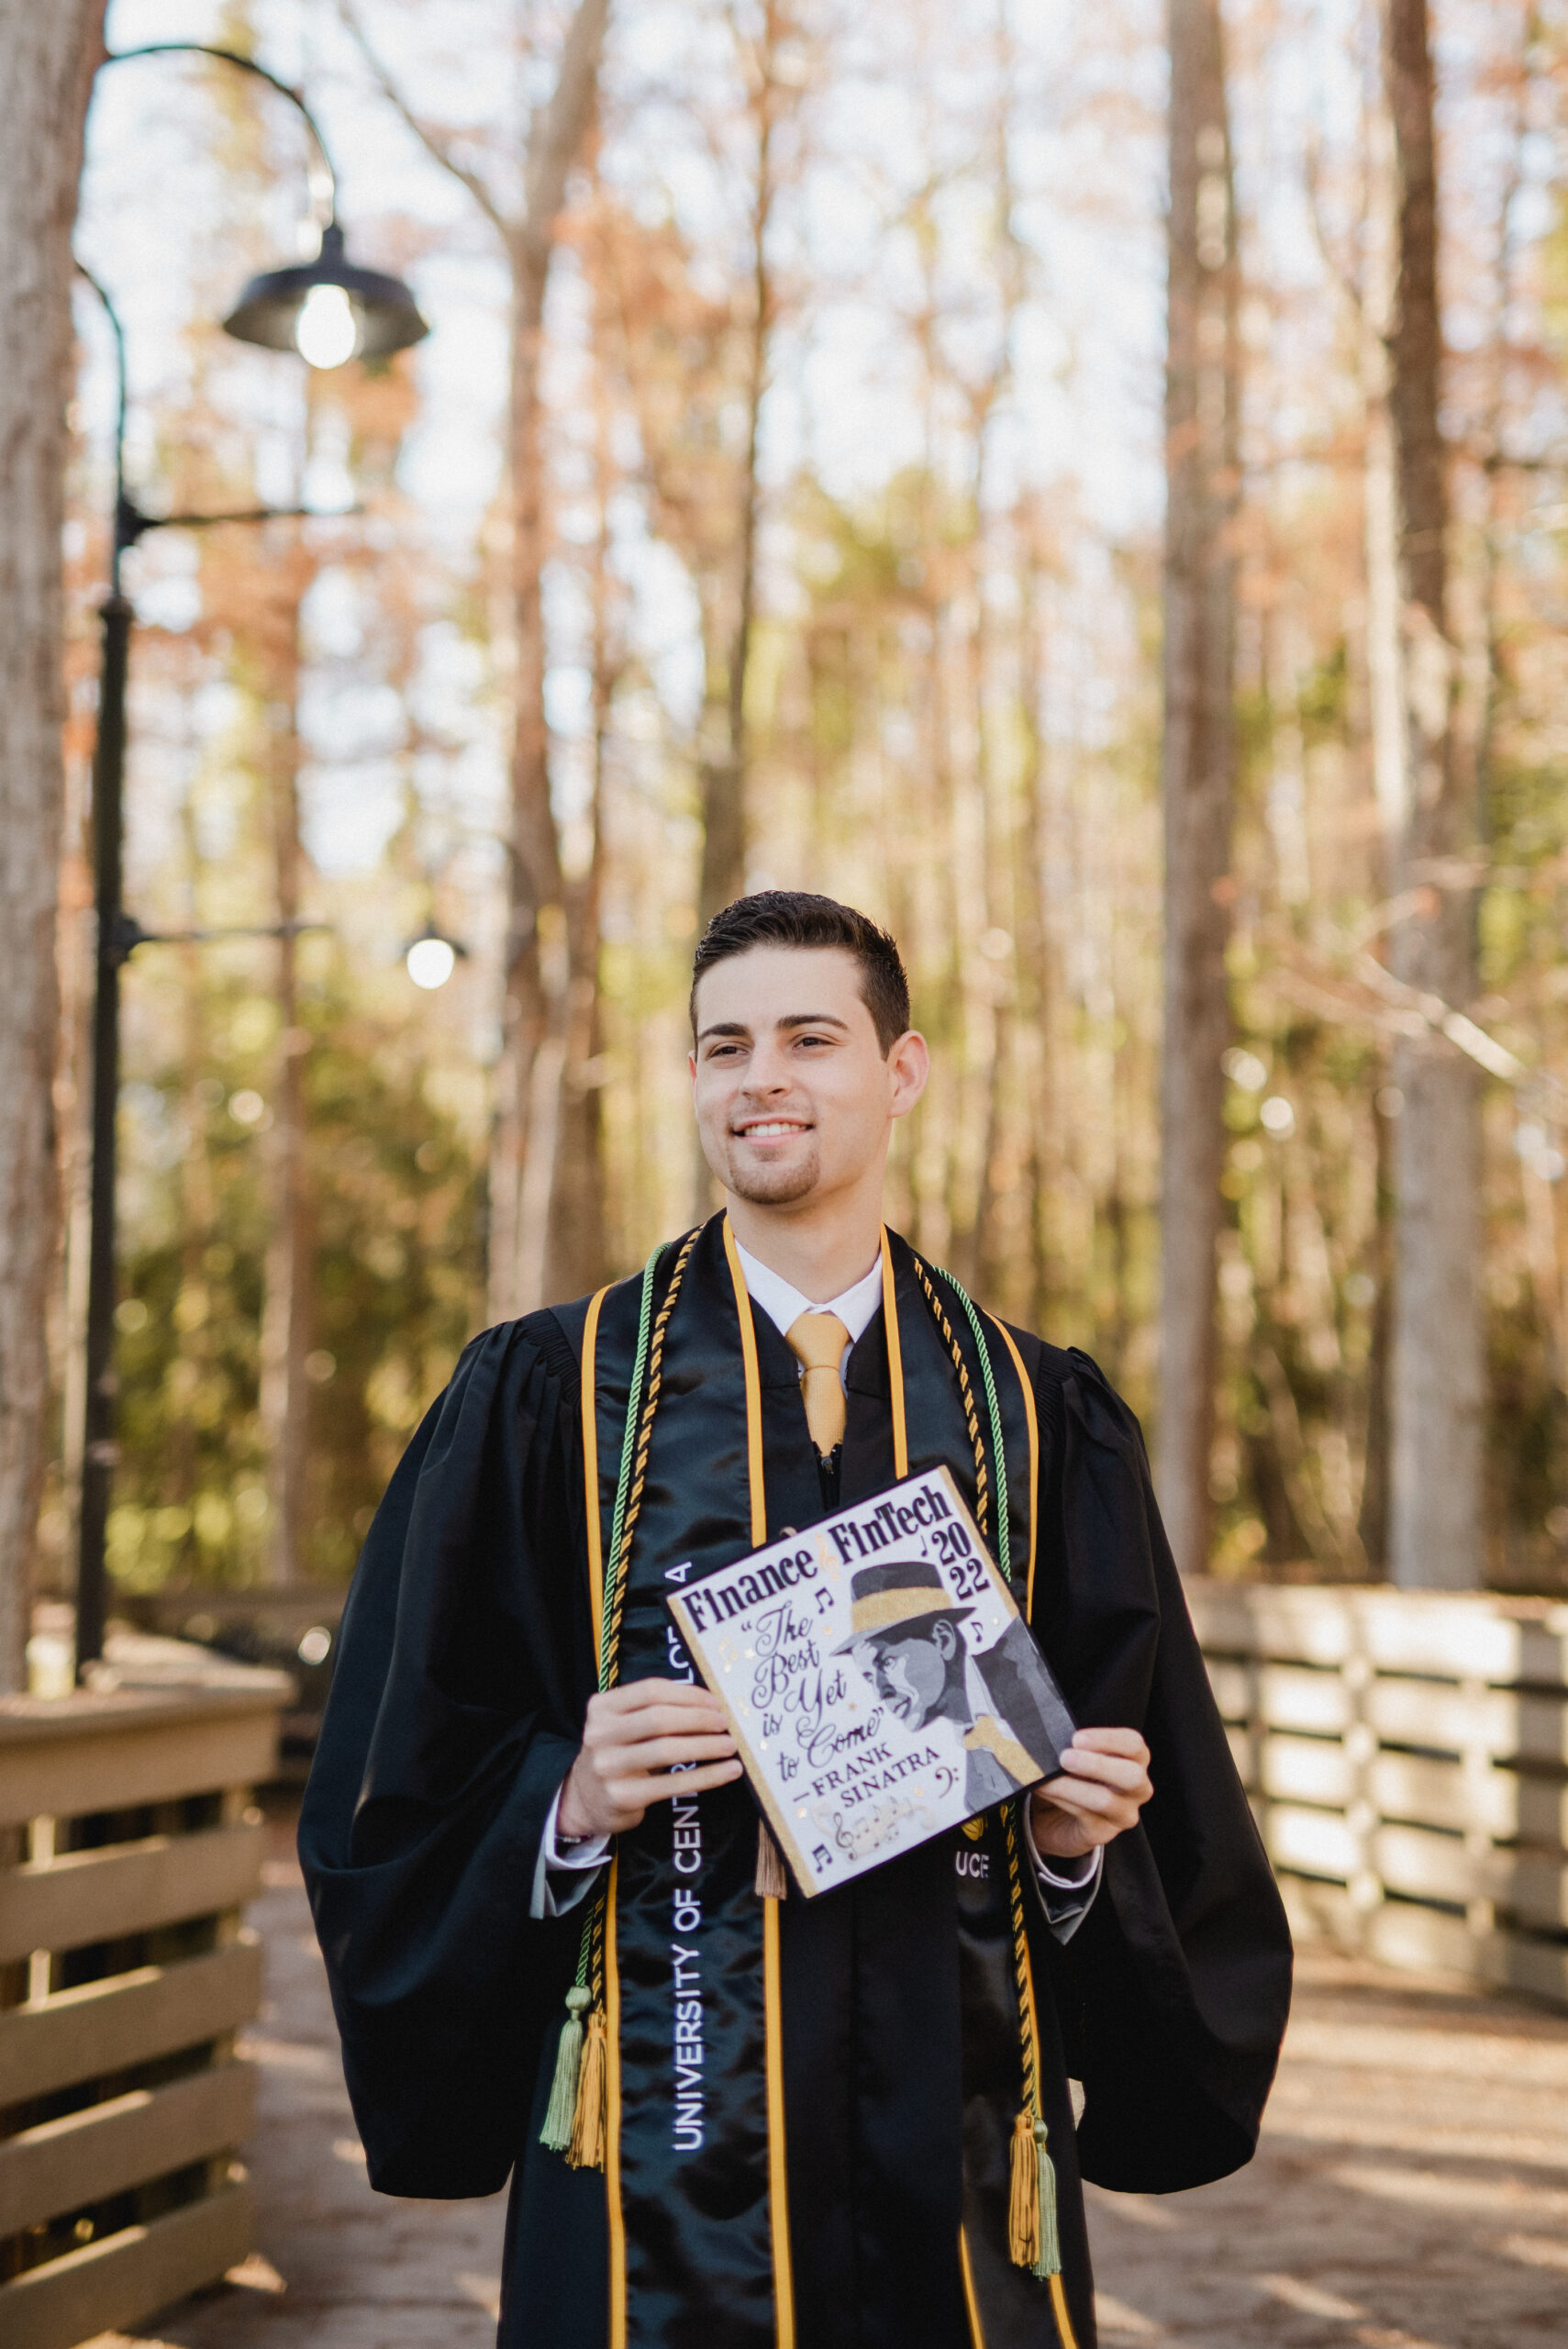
432	957
357	312
329	309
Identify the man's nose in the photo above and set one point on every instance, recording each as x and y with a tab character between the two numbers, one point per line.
768	1070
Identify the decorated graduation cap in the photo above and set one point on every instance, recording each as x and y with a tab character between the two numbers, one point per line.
896	1596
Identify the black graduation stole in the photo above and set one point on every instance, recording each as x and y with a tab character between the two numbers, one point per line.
670	2072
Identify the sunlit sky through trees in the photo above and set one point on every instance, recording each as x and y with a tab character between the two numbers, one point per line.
952	698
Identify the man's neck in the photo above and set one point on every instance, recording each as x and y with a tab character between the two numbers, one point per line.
821	1255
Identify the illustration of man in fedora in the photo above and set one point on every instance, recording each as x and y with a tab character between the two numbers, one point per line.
908	1638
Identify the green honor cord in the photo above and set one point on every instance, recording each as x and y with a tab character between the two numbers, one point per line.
994	1409
559	2114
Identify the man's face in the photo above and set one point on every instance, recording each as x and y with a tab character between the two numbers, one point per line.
910	1675
795	1098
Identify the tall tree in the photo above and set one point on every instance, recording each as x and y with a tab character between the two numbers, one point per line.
1199	766
284	1398
47	57
541	1247
772	61
1437	1368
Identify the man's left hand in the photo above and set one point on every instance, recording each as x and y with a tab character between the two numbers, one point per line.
1103	1785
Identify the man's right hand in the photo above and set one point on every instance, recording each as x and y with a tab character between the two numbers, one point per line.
635	1736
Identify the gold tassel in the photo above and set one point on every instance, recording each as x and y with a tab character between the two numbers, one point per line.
769	1882
556	2131
586	2150
1033	2238
1023	2205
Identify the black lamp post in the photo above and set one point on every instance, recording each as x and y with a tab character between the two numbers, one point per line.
329	310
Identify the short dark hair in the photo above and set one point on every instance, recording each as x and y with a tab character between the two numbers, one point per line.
796	918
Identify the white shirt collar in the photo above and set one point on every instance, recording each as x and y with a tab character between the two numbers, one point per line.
783	1304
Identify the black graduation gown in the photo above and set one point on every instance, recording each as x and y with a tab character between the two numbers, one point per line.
465	1662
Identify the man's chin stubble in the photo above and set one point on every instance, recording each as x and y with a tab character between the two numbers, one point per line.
774	1187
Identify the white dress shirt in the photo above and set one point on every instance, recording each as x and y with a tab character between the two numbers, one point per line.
564	1872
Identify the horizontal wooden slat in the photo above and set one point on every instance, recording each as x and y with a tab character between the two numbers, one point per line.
1444	1794
1234	1621
1235	1687
1427	1865
113	2284
1501	1722
1440	1633
134	1764
1306	1769
1504	1724
1292	1697
1506	1642
88	2155
1425	1940
123	1889
1316	1842
128	2019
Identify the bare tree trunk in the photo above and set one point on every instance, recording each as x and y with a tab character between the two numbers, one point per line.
47	59
579	1213
536	1248
533	1053
1036	974
723	775
197	1203
285	1313
541	1247
1201	400
1435	1528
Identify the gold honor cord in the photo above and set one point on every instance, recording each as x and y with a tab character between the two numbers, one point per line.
575	2115
589	1406
588	2059
612	2123
1032	1417
894	1363
977	2330
1032	2235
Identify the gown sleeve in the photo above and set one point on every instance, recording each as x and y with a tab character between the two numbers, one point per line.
1174	1993
463	1668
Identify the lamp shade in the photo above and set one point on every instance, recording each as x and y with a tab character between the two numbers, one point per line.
329	309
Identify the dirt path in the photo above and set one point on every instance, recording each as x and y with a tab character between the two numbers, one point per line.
1411	2192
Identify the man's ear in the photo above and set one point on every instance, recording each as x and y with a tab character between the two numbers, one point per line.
945	1637
908	1064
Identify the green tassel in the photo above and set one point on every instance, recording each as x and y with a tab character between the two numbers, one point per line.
1049	2260
556	2131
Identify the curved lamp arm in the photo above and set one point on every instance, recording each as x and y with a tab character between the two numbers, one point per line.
323	183
326	180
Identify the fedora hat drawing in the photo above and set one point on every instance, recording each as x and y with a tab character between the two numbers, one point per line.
897	1595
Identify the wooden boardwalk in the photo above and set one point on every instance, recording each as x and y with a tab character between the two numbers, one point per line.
1411	2192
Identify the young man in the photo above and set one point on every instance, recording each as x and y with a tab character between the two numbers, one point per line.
552	1924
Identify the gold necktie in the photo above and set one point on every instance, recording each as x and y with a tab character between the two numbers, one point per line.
817	1341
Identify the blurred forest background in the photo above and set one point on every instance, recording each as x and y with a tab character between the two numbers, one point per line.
780	503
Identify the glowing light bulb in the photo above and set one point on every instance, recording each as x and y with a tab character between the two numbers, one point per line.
326	331
430	962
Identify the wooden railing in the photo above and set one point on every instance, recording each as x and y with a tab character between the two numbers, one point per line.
127	1846
1407	1753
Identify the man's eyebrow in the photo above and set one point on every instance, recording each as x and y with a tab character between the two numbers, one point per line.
790	1019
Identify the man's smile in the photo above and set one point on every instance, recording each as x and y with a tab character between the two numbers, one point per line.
772	1129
